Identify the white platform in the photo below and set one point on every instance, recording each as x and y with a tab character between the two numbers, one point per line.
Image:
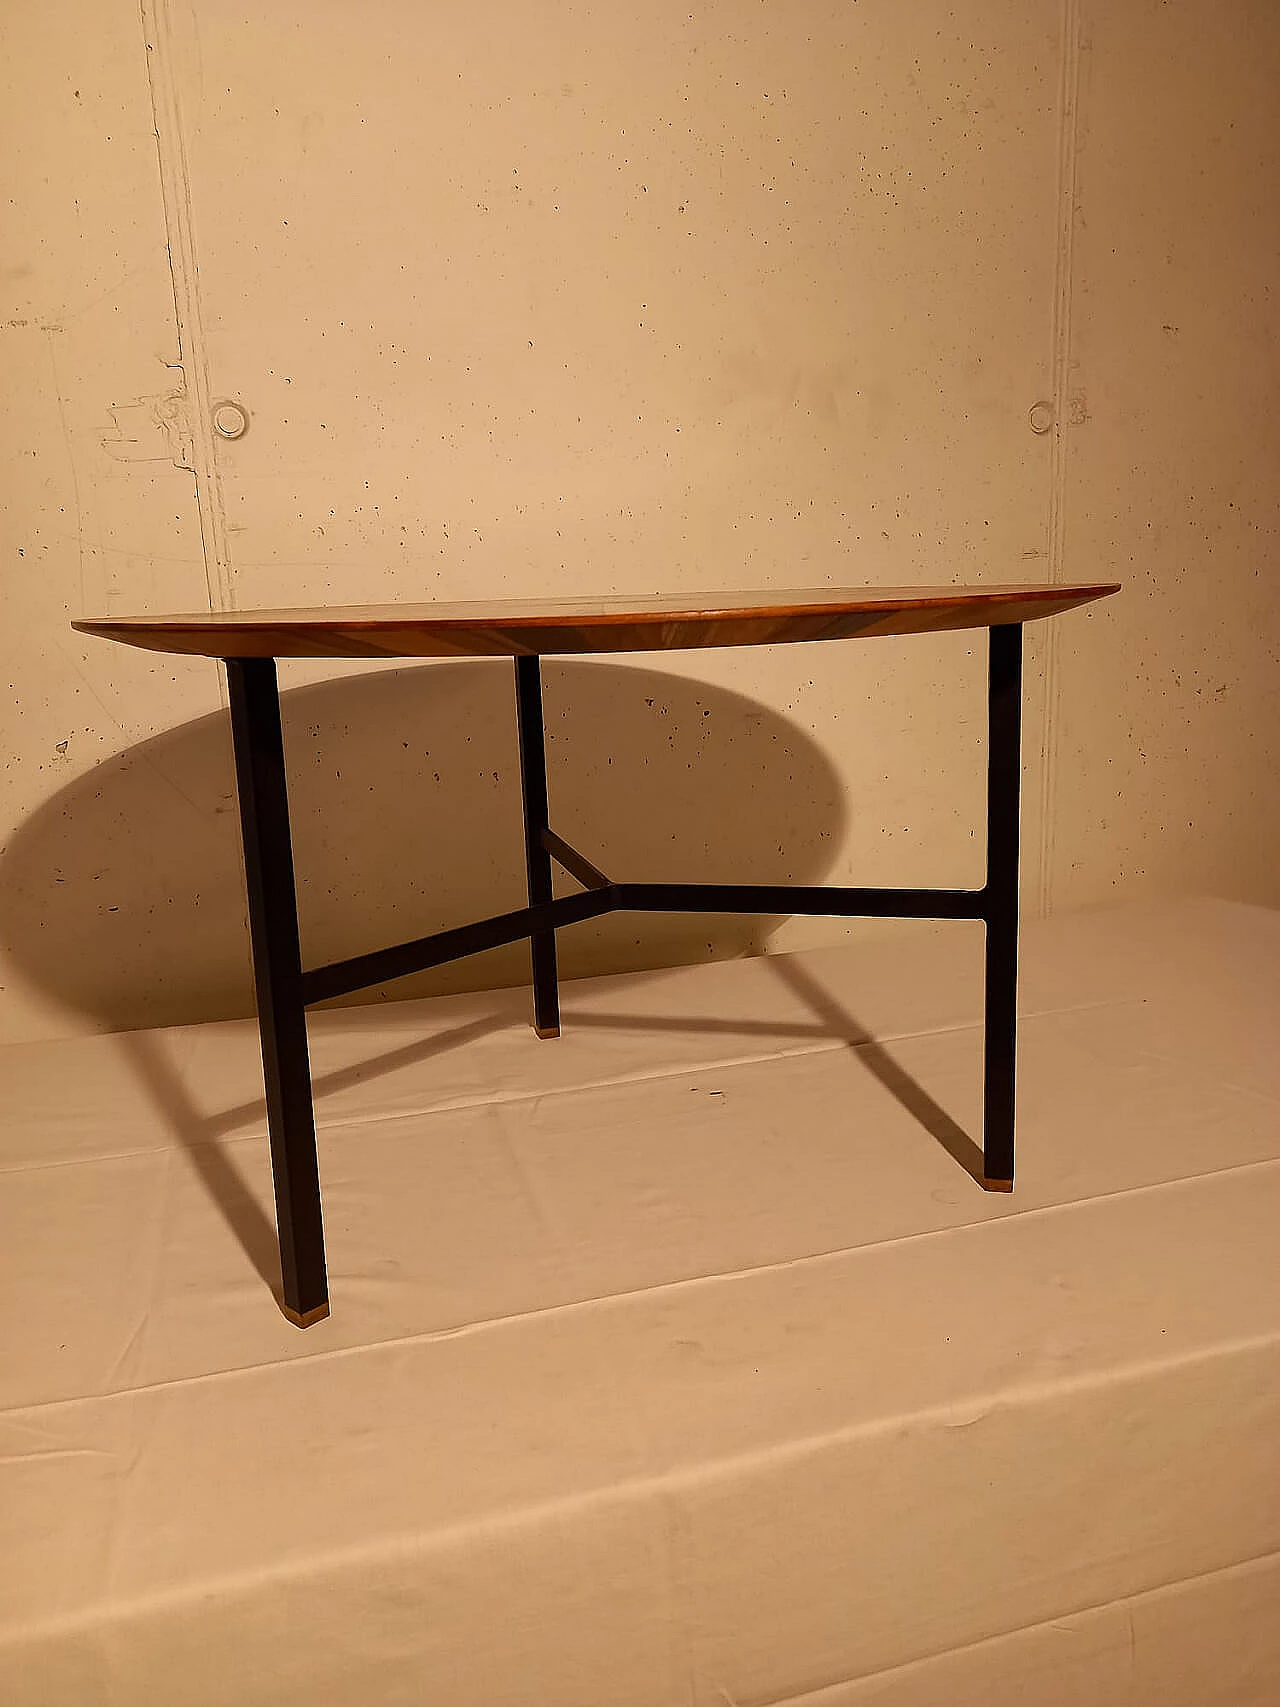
673	1362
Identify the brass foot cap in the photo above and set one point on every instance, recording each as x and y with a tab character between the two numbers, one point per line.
547	1030
996	1184
306	1318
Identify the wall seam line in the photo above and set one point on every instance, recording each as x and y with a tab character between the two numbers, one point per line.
175	189
1063	295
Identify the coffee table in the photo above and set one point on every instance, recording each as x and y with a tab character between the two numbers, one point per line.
249	642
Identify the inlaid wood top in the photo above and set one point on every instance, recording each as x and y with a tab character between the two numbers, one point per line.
646	623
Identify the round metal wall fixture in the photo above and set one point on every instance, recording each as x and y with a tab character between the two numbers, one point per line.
230	421
1041	417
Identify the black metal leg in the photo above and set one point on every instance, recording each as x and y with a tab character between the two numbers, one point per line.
1004	775
277	971
533	778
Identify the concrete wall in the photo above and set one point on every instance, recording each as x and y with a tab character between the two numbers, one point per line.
549	297
1166	716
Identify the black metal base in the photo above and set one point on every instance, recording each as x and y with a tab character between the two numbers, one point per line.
285	991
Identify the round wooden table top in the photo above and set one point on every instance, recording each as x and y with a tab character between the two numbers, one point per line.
645	623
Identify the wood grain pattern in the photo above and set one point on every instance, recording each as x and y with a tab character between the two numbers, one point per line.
656	623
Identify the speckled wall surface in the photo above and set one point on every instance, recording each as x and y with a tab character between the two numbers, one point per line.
541	297
1167	712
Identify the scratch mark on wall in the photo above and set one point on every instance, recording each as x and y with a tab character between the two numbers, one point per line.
151	429
112	717
104	295
71	462
1063	288
162	75
127	733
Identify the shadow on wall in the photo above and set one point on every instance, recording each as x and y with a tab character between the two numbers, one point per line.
123	895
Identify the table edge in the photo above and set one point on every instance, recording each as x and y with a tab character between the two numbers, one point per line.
305	635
